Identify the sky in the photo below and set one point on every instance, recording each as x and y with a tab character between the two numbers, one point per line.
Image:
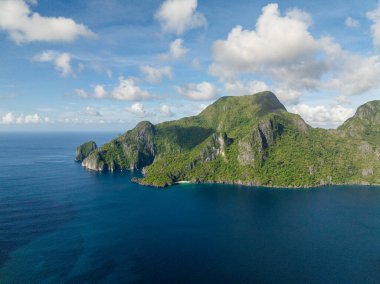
93	65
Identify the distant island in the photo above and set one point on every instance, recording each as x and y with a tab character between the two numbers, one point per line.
250	140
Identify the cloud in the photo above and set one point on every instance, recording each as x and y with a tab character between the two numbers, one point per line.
352	23
374	16
350	74
343	100
178	16
276	41
136	109
61	61
287	95
176	50
196	64
25	26
99	92
166	111
282	50
126	90
323	116
155	75
129	90
284	94
238	88
198	92
10	118
89	110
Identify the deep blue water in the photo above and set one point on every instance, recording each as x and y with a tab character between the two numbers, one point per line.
60	223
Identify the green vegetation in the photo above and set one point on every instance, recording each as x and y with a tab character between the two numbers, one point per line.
84	150
249	140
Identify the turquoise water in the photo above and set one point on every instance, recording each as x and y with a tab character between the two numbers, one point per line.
62	224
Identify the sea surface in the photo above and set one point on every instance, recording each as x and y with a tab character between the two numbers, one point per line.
60	223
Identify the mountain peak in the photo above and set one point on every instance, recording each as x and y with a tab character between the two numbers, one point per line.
235	111
369	111
268	101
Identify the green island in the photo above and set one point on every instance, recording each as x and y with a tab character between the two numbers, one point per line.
250	140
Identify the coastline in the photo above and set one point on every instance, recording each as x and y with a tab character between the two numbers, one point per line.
251	184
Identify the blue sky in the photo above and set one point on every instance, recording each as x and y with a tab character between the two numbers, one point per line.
105	65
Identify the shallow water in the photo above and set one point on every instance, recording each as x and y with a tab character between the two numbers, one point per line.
60	223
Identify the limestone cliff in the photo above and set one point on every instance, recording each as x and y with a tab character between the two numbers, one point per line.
84	150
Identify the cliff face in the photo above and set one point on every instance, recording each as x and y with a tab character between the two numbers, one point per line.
248	140
254	149
84	150
133	150
94	161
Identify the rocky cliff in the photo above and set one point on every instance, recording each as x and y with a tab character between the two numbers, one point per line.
84	150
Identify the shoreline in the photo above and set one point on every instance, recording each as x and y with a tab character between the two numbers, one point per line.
248	184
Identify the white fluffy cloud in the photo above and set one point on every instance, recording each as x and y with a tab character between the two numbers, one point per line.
178	16
166	111
137	109
287	96
238	88
92	111
176	50
282	49
198	92
61	61
23	25
352	23
276	40
11	118
129	90
126	90
155	75
350	74
374	16
323	116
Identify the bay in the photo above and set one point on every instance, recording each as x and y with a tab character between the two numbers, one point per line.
60	223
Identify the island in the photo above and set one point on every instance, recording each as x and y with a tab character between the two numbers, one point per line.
248	140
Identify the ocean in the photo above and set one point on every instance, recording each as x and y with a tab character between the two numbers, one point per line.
60	223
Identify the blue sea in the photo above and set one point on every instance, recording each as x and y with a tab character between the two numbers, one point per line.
60	223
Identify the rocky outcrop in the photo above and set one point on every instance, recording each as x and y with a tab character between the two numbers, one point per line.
84	150
146	149
370	112
377	153
95	161
133	150
365	148
216	147
246	154
367	172
138	145
253	150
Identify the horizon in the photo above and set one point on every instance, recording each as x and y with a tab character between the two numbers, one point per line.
121	132
139	61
